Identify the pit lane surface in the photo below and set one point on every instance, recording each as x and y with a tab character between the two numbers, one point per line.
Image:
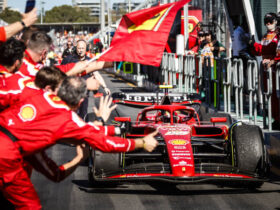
75	193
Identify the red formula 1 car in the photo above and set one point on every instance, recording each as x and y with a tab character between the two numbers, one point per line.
189	151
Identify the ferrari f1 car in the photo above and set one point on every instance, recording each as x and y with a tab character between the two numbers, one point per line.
194	147
189	151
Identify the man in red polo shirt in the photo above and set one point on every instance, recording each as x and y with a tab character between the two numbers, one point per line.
39	122
11	83
37	50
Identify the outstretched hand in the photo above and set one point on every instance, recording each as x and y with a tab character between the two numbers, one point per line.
104	110
150	142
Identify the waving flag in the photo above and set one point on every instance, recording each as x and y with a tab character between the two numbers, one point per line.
142	35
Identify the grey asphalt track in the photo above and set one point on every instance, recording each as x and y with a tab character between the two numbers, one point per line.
74	193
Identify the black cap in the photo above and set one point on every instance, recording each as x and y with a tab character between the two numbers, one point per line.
269	17
208	32
201	33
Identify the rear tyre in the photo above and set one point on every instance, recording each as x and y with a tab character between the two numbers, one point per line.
249	152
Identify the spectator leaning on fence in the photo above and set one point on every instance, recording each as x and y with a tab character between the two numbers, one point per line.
270	51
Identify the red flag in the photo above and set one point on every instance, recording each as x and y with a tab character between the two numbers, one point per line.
142	35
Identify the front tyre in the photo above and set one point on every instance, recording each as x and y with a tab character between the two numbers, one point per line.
249	154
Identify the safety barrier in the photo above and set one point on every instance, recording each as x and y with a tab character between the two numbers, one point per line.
238	82
223	83
268	94
253	87
227	86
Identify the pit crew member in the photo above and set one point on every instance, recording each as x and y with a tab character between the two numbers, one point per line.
39	122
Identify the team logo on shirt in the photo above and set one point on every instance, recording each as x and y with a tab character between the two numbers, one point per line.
55	101
56	98
27	112
29	83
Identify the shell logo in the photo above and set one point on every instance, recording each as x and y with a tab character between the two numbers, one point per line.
178	142
27	112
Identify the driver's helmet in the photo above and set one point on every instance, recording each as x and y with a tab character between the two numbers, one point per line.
166	117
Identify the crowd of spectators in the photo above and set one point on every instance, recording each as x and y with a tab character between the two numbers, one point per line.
65	44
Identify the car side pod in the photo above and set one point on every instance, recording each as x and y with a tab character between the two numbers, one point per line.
218	120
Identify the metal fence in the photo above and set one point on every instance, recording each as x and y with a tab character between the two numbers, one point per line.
224	85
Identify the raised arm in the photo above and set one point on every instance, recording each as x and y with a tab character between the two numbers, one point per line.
27	20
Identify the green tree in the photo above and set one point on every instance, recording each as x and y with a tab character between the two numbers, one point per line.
10	16
66	13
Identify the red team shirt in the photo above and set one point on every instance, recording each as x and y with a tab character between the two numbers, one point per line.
43	119
268	46
30	68
11	85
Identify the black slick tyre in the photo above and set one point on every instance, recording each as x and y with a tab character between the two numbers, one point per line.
249	154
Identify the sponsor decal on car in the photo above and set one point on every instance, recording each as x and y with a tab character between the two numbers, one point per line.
183	163
175	128
176	133
182	158
149	98
180	147
178	142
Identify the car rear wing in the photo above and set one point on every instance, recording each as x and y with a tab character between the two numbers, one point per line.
144	99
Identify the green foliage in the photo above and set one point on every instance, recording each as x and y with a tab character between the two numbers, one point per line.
10	16
68	14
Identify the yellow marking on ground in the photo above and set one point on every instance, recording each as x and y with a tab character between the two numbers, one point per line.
128	83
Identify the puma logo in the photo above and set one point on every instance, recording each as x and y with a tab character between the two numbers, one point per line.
11	122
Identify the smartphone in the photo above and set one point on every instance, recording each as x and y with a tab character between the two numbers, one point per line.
30	4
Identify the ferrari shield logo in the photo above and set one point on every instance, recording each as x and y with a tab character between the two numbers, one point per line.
149	24
27	112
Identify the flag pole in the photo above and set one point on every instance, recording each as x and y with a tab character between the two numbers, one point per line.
96	57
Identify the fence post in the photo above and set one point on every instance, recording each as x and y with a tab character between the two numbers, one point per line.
227	85
268	95
238	86
187	76
180	71
278	83
200	74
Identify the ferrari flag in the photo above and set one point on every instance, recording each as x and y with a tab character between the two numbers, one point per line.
142	35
